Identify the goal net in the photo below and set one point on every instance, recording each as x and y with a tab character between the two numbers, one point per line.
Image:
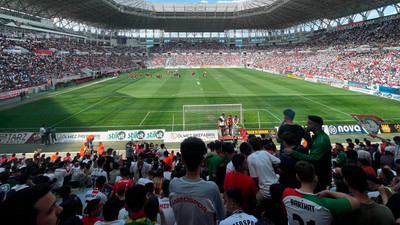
198	117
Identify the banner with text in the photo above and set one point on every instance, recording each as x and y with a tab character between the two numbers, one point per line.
179	136
80	137
136	135
344	129
268	131
15	138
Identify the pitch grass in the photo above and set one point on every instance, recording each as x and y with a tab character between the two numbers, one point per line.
151	103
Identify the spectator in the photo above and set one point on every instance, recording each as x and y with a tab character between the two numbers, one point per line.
303	206
110	213
135	202
34	205
320	152
369	212
93	210
140	168
233	201
262	167
238	179
191	186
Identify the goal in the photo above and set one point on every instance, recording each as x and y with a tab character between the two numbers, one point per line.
197	117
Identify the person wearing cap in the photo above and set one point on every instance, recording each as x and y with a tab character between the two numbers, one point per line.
320	152
287	125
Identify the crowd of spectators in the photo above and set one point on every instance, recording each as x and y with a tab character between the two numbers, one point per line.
254	183
331	54
66	58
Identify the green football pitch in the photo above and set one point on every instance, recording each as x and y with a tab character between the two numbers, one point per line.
150	103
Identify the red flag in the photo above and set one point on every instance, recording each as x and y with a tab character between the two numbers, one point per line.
370	123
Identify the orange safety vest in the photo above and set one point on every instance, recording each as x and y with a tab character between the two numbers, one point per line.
54	157
101	150
88	138
82	151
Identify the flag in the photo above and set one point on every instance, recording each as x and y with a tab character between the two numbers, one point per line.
370	123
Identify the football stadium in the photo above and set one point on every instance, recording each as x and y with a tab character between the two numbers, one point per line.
260	103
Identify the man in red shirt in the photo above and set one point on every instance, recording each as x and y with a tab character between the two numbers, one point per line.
246	184
125	183
12	157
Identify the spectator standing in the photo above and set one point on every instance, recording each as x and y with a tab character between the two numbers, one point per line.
140	168
262	166
320	152
193	188
238	179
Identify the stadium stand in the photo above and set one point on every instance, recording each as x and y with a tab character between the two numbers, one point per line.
217	183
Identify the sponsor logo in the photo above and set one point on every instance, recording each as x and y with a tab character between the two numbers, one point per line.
174	135
121	135
385	128
332	129
141	135
14	138
160	134
345	129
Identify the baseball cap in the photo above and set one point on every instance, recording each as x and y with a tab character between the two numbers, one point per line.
316	119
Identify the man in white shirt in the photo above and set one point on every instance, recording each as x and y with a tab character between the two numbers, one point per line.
262	166
221	125
42	131
97	172
140	168
96	193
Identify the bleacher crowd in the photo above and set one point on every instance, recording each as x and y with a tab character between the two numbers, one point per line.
254	183
63	58
367	53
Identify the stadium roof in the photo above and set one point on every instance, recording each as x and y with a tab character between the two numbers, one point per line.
193	17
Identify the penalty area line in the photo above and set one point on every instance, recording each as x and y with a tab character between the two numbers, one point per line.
144	118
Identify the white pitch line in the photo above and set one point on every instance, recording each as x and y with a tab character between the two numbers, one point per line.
273	115
69	117
324	105
144	118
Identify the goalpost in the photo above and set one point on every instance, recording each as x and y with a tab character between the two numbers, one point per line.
206	116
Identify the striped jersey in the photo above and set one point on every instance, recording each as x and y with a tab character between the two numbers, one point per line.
306	208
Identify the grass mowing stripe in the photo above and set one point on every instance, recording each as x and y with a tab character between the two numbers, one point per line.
324	105
80	111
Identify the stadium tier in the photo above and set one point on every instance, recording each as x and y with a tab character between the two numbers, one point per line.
123	112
